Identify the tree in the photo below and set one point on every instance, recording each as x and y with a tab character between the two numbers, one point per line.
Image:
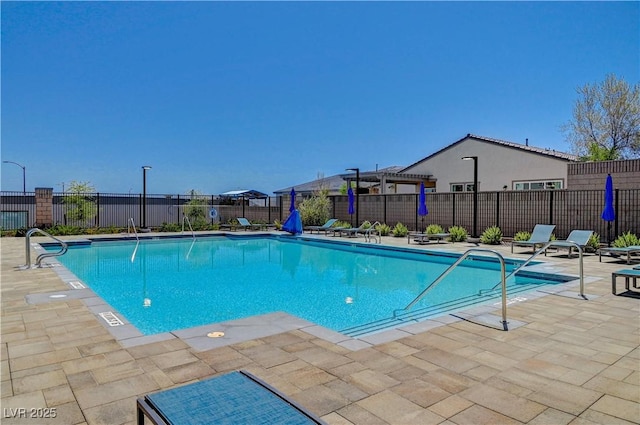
79	199
606	121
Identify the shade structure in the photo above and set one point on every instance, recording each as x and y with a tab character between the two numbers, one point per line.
292	206
351	201
608	213
422	204
293	223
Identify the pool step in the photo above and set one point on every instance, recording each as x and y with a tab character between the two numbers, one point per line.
419	314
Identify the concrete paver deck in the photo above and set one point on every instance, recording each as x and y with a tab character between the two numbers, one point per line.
573	361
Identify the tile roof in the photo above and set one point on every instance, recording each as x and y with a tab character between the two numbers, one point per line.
540	151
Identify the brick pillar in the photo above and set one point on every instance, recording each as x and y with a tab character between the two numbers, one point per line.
44	207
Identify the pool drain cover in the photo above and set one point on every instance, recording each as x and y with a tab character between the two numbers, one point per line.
216	334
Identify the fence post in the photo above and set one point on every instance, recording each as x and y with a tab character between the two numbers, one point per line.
453	208
98	209
384	208
551	207
617	209
497	209
44	207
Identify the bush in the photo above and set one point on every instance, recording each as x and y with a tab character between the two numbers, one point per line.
342	224
170	227
400	230
315	211
625	240
522	236
458	234
432	229
593	243
383	229
492	236
65	230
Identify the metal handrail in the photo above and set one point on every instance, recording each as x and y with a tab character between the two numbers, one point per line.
369	232
186	218
544	249
132	225
41	257
454	265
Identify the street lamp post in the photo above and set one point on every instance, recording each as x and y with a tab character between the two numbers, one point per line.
144	195
357	170
475	193
24	175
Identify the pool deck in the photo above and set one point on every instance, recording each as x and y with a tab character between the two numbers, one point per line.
571	361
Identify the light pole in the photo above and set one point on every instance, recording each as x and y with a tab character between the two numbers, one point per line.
475	193
24	175
144	195
357	170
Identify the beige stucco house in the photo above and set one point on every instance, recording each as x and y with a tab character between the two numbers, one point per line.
501	165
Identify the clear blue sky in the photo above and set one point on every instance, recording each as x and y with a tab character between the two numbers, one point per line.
218	96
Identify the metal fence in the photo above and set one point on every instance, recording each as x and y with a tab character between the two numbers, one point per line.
512	211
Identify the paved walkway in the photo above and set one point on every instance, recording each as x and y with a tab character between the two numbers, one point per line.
573	361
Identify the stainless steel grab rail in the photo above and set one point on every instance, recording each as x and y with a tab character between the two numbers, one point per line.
41	257
453	266
544	249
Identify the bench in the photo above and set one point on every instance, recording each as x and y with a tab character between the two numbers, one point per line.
628	274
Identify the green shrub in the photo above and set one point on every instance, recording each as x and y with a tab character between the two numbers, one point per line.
342	224
383	229
400	230
432	229
625	240
593	243
278	224
522	236
458	234
316	210
170	227
491	236
65	230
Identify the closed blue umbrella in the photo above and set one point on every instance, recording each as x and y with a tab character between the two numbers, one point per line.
351	200
422	204
293	200
293	224
608	214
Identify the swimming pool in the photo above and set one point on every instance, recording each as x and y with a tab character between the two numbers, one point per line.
162	285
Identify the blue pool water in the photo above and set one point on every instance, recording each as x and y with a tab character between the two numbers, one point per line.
180	283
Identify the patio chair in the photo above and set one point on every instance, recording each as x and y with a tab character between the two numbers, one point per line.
246	224
326	226
424	238
235	398
541	235
579	237
628	274
615	252
353	231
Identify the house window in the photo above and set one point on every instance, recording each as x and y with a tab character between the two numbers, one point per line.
461	187
538	185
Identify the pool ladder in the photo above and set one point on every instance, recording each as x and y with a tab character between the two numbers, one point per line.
132	225
370	232
503	275
41	257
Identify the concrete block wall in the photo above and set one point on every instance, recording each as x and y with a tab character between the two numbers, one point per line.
592	175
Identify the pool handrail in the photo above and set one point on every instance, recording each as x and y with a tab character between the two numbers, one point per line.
41	257
186	218
369	232
454	265
540	251
132	224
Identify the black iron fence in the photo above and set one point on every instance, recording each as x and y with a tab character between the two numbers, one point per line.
512	211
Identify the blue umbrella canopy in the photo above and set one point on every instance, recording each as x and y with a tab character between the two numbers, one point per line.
608	214
293	200
422	204
293	224
351	200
